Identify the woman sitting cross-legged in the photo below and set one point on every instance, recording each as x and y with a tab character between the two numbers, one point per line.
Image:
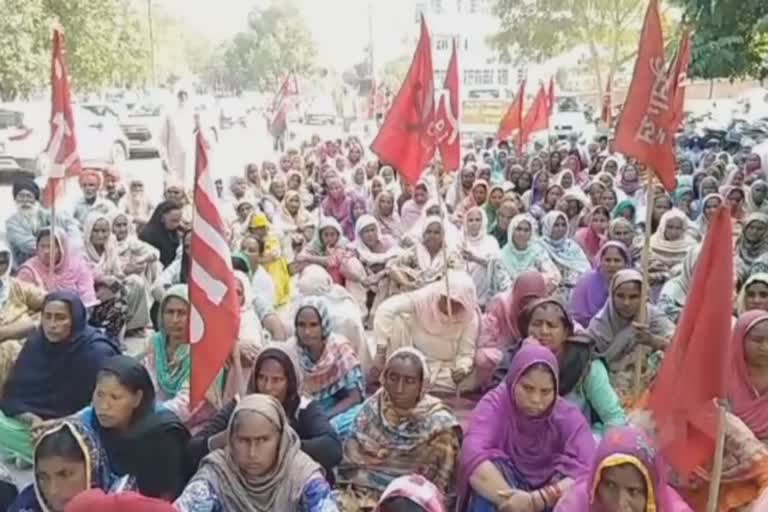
525	445
401	430
262	468
277	373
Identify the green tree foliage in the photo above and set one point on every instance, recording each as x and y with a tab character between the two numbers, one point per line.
730	39
22	61
276	42
545	28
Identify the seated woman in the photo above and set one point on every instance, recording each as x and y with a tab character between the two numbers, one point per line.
669	246
55	373
425	262
443	328
277	373
401	430
328	249
592	237
332	373
525	445
136	257
753	294
368	280
482	255
751	243
69	459
411	493
169	362
618	336
71	272
627	474
270	257
674	293
276	476
163	230
591	290
568	257
102	256
141	439
262	284
583	381
522	253
20	305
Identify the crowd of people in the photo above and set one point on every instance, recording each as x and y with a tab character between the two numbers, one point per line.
472	341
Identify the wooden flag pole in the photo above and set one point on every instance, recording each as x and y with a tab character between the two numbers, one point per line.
441	203
645	291
53	243
717	464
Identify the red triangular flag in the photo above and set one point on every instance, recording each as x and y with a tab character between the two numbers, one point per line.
447	116
696	363
63	159
278	122
214	319
551	96
406	138
643	130
678	74
513	119
537	117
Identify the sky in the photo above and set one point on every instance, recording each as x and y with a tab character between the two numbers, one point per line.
339	27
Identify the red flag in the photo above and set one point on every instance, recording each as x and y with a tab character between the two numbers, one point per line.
606	116
513	119
696	363
281	103
551	96
447	116
62	157
214	320
678	74
406	138
643	129
537	117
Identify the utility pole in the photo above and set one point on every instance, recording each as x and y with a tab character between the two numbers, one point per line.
151	43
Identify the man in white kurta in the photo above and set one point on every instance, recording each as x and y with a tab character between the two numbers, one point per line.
177	141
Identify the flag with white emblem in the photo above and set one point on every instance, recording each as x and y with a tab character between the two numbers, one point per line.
214	320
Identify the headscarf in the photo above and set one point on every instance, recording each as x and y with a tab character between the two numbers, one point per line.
749	201
677	288
431	319
416	489
412	212
490	210
389	225
383	428
505	308
747	403
348	226
288	358
749	251
620	446
5	278
71	271
591	291
98	473
36	382
672	252
156	235
590	240
338	208
701	223
517	260
614	335
481	244
741	300
558	443
626	204
171	380
135	203
302	217
317	242
108	262
565	252
282	487
367	256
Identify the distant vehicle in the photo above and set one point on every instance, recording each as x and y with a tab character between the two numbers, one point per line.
232	112
25	130
139	124
569	119
322	110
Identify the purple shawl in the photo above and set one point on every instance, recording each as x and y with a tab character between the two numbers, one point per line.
631	442
348	225
556	445
591	290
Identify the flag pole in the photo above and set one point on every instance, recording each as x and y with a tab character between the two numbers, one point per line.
717	464
53	243
645	291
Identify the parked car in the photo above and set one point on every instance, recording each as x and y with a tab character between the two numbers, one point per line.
569	118
321	110
25	131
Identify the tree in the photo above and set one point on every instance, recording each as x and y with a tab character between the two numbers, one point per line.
546	28
22	62
277	41
730	39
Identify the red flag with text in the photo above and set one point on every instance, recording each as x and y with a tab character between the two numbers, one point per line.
214	319
513	119
695	367
282	103
62	157
406	138
537	117
678	75
551	96
643	130
447	116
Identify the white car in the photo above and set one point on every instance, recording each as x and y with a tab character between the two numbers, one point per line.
25	131
568	118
